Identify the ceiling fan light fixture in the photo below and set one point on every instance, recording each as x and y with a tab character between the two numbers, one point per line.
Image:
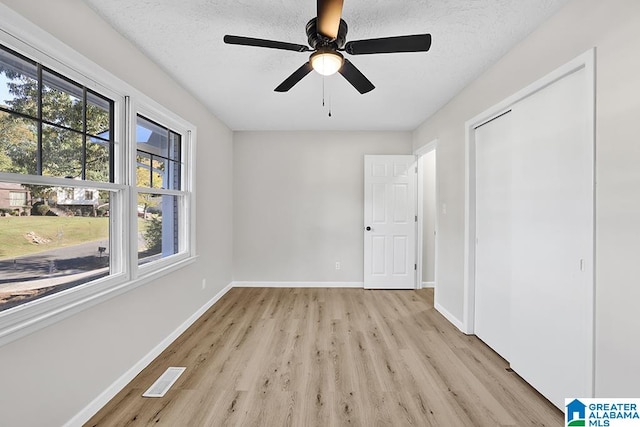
326	62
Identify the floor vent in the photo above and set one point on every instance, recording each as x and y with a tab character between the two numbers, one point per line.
164	383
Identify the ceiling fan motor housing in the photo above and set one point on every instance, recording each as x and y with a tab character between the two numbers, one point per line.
318	41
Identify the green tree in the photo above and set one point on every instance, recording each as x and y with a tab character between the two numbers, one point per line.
18	144
43	192
153	235
5	161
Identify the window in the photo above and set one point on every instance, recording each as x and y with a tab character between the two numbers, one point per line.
17	198
72	185
159	189
52	130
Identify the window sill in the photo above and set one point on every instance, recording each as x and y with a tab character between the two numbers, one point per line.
27	318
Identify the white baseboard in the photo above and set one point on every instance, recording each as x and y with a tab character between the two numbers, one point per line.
450	317
298	284
92	408
428	285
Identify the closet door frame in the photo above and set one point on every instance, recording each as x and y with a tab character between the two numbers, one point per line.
584	61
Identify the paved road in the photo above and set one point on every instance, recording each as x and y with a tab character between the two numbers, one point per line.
57	269
54	263
28	277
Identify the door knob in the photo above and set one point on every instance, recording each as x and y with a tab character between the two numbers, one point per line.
368	228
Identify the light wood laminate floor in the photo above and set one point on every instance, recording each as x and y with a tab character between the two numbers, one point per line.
329	357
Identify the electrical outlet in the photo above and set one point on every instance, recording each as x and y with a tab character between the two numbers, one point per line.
338	266
204	283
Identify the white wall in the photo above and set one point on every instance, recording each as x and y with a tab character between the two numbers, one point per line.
613	27
298	203
49	376
428	216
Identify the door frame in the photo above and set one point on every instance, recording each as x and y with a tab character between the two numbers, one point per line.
425	149
584	61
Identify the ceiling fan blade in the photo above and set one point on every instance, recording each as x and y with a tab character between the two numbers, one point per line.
414	43
249	41
294	78
355	77
329	14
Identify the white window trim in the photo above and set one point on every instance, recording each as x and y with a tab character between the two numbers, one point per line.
24	37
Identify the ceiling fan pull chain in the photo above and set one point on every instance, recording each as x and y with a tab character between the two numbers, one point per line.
323	77
329	94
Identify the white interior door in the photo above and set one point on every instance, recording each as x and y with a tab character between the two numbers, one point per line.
553	235
390	221
494	152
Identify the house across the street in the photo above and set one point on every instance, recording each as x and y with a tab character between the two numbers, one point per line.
14	199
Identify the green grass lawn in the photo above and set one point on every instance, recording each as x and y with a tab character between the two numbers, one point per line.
61	231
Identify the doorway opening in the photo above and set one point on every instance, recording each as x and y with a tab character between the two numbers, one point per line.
427	200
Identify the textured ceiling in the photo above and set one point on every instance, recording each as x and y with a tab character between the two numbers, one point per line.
236	82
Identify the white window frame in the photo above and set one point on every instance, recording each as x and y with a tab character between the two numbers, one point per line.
186	233
29	40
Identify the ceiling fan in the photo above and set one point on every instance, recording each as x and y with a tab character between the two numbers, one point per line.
327	36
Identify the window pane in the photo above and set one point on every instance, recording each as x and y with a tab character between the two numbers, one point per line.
18	144
175	154
61	101
53	243
175	146
158	231
97	162
158	173
18	84
150	171
143	170
61	152
152	138
98	116
174	175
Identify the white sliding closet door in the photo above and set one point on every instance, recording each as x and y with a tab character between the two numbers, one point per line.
494	152
552	240
535	238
